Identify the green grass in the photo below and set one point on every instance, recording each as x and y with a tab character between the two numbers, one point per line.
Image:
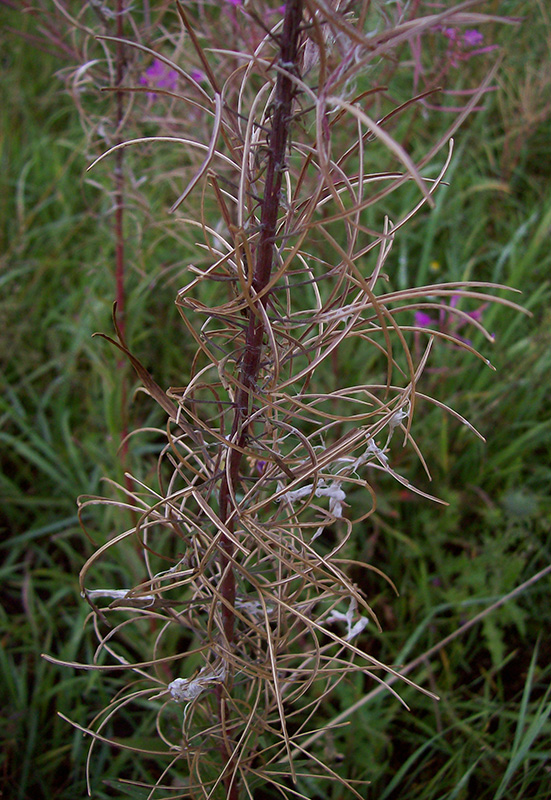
61	420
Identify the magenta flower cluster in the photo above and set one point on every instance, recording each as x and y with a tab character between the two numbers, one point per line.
447	321
159	76
463	45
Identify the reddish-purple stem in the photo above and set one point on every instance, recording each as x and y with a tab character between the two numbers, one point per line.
285	90
289	40
120	294
119	177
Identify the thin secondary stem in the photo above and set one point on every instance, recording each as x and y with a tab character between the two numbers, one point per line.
119	176
120	294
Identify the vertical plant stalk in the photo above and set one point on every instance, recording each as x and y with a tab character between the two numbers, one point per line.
120	295
119	176
264	257
262	271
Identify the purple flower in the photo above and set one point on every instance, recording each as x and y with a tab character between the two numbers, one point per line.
447	321
198	75
473	38
159	76
463	46
423	320
450	33
234	3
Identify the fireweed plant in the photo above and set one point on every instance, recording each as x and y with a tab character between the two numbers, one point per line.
247	610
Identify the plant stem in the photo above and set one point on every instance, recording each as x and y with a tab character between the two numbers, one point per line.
120	294
119	176
264	257
289	41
